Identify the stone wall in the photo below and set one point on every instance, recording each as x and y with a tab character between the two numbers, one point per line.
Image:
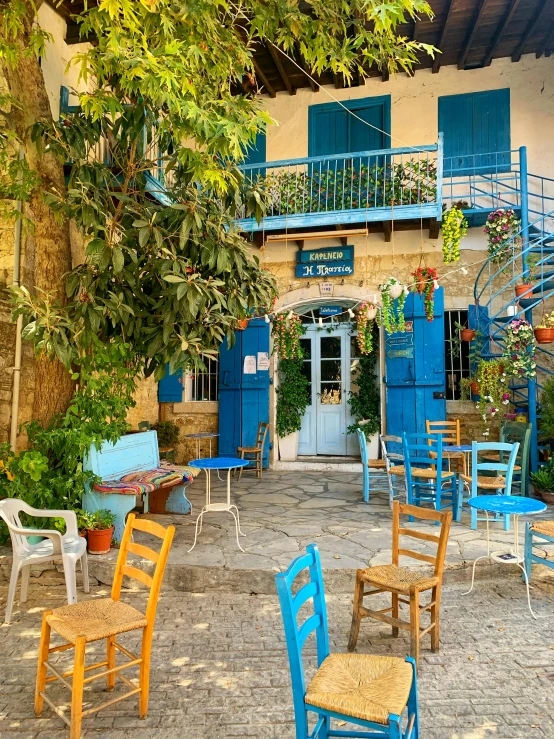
471	423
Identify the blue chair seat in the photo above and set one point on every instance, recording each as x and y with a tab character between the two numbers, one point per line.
362	686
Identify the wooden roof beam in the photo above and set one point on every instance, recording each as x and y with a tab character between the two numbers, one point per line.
278	60
546	44
500	33
474	25
444	29
266	83
337	79
309	75
529	31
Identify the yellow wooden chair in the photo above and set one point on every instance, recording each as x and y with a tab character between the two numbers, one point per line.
451	434
104	618
255	453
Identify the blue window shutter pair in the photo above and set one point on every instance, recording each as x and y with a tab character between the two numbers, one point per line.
333	130
476	128
256	153
170	387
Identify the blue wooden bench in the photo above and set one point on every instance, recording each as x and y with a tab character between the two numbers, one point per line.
131	468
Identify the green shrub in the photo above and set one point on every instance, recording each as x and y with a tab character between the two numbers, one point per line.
168	433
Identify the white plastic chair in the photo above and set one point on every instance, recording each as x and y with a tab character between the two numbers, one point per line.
69	548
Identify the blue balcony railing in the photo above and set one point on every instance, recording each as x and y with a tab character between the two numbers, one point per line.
348	188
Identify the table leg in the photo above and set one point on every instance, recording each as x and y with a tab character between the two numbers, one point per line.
199	519
487	556
522	566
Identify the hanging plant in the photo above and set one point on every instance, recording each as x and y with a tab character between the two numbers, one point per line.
365	398
393	320
286	335
425	278
500	228
493	392
454	228
519	349
365	322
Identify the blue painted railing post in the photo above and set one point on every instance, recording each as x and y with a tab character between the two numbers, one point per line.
524	208
440	173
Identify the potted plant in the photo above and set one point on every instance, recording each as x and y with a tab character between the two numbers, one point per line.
544	332
425	280
519	349
543	483
493	392
454	227
500	228
365	322
393	320
523	287
242	324
99	528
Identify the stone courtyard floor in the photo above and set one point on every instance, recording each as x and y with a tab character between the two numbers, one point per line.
220	668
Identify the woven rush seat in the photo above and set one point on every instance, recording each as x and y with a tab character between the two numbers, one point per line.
250	449
488	483
543	527
361	685
95	619
422	472
398	578
376	464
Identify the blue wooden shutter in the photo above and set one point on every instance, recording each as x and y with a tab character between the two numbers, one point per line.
476	128
170	387
413	383
243	399
256	153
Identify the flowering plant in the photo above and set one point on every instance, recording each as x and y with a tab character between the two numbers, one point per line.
365	320
500	228
286	334
491	377
392	320
547	321
519	349
454	228
425	285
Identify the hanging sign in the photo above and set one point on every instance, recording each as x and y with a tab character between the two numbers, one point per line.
400	346
330	310
331	262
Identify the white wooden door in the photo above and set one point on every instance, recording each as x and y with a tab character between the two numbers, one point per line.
307	436
331	391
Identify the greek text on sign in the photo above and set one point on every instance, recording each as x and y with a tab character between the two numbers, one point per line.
325	262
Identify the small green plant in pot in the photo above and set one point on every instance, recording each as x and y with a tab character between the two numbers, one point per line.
168	433
543	482
99	528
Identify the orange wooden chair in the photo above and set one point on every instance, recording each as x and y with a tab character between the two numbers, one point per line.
105	618
451	435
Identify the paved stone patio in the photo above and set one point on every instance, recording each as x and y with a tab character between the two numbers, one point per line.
220	669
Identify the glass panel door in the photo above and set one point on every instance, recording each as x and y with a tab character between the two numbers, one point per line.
331	400
307	443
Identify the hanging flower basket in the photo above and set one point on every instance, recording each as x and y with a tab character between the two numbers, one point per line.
522	289
242	324
393	318
467	334
425	280
518	355
500	230
475	388
544	335
454	228
364	323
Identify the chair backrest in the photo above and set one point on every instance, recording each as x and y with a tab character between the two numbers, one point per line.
426	514
296	633
130	453
423	450
144	425
503	468
263	428
520	432
10	508
392	448
449	430
362	441
153	582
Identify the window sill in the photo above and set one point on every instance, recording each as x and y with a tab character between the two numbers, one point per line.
196	407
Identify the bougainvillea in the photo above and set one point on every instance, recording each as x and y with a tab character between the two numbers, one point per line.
365	321
519	349
286	335
454	228
425	285
393	320
500	228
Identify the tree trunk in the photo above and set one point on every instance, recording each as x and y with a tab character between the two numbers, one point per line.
53	385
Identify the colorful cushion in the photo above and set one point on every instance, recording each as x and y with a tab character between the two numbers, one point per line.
159	477
188	473
124	488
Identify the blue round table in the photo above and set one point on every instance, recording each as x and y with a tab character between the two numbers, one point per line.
516	506
218	463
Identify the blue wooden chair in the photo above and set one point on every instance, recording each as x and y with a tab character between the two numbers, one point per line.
372	468
426	478
374	692
543	533
501	481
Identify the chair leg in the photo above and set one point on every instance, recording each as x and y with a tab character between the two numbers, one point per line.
435	618
144	677
356	614
414	625
70	579
84	568
110	656
528	561
413	707
241	468
11	589
394	612
25	574
77	688
41	668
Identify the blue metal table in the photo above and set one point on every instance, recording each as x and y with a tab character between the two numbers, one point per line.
516	506
218	463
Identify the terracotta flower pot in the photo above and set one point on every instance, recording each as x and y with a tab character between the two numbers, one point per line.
242	324
544	335
548	497
475	388
522	289
99	540
467	334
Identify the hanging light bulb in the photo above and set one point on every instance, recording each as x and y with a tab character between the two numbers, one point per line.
351	313
436	284
320	321
266	318
290	315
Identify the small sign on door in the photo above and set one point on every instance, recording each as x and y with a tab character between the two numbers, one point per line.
263	361
249	365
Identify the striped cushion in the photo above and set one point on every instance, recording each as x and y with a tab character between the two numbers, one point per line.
188	473
159	477
124	488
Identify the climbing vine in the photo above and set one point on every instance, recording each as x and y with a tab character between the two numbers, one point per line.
286	336
454	228
365	323
365	400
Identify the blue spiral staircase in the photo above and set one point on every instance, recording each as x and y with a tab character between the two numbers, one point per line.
532	262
